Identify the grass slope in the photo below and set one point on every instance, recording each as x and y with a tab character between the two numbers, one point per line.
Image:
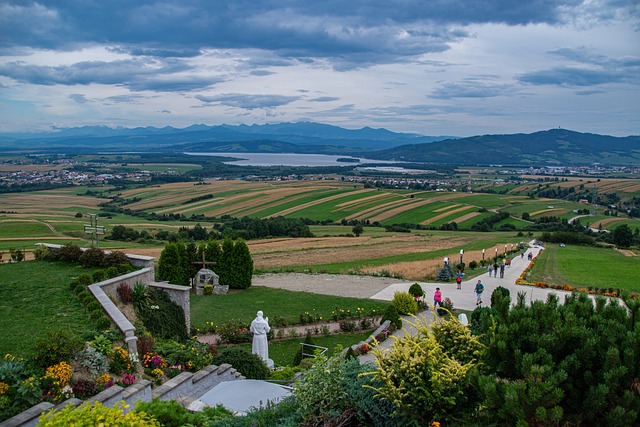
34	297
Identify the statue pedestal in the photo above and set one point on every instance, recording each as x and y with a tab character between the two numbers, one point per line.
270	363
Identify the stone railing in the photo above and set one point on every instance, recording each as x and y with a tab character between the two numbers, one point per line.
99	291
186	387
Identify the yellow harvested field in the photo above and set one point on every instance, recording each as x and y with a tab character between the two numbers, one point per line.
356	249
444	215
316	202
427	269
351	204
35	202
545	211
446	208
463	218
390	213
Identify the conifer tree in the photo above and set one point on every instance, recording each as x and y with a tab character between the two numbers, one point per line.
241	269
226	262
169	265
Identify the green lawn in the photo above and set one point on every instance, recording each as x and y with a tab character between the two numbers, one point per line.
243	305
584	266
34	297
282	352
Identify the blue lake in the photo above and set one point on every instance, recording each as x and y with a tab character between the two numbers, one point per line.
286	159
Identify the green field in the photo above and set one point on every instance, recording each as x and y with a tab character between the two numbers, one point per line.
583	266
34	298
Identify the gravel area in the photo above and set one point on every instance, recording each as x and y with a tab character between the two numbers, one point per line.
326	284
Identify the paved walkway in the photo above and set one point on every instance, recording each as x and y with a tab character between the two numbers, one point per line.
465	298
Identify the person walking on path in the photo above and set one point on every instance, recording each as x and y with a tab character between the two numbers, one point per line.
437	298
502	270
490	269
459	280
479	290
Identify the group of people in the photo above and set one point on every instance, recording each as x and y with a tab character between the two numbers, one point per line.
479	289
495	268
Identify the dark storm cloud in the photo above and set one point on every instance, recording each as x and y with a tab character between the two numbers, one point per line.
135	74
313	29
248	102
162	53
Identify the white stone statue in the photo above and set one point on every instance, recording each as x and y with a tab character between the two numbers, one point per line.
260	328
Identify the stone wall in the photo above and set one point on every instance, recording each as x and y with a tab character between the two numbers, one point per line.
185	386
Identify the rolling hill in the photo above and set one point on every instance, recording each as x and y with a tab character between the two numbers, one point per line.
552	147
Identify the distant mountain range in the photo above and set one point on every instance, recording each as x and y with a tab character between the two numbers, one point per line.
551	147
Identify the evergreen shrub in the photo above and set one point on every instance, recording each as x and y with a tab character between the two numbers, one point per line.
115	259
103	323
68	253
404	303
96	314
248	364
85	279
391	314
98	276
92	257
416	290
161	316
112	272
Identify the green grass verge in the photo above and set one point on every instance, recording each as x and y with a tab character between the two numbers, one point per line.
34	298
583	266
243	305
282	352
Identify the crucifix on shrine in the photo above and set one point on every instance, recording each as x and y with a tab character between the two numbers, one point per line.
206	276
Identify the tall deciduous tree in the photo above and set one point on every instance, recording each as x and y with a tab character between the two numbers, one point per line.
623	236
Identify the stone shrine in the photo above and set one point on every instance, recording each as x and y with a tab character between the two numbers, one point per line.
208	277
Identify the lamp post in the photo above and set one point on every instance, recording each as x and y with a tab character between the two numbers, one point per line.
461	254
483	254
496	254
505	249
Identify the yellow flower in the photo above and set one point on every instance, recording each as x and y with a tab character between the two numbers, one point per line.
157	373
103	379
61	373
3	388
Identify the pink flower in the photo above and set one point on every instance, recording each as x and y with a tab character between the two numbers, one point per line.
128	379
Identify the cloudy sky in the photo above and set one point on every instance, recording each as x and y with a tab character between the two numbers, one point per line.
434	67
